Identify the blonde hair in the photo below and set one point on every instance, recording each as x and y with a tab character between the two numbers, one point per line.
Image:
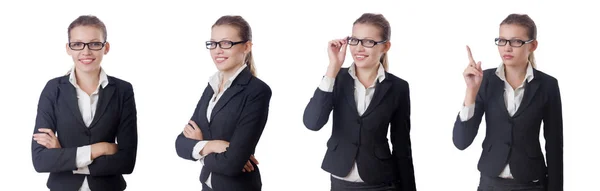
378	20
245	33
525	21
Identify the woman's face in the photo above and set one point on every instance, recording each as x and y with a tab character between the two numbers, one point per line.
515	51
230	50
87	57
370	48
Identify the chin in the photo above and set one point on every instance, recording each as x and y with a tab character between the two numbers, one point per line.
364	64
88	68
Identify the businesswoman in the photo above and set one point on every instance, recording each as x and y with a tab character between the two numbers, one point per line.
231	114
82	115
515	98
365	100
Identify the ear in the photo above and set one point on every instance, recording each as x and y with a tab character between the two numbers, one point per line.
533	46
68	49
106	48
387	46
248	47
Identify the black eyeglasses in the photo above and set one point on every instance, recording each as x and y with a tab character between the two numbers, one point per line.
365	42
513	42
224	44
90	45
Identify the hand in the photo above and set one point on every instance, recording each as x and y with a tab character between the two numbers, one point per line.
214	146
192	131
47	138
473	74
336	50
248	167
103	148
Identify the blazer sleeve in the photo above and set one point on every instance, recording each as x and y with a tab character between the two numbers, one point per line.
400	137
185	146
122	162
316	113
465	131
245	137
50	160
553	133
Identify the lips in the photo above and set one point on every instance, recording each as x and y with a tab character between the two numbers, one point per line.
220	59
508	57
360	57
86	61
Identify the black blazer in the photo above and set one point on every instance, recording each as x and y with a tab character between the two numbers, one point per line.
364	138
239	117
516	139
115	118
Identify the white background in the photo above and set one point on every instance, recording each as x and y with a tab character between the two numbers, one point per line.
158	47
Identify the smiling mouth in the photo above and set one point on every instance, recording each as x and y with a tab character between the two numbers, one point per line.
87	60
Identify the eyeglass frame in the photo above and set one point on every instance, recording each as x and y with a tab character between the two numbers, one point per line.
86	44
218	43
360	41
496	40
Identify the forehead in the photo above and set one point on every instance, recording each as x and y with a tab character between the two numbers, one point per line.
221	32
513	31
86	33
368	31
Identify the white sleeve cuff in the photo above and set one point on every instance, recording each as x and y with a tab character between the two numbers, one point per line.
84	156
197	148
467	112
83	170
327	84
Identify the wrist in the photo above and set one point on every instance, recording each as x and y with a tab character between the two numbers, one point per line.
332	70
207	149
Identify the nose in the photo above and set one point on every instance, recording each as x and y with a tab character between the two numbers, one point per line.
360	47
219	50
507	48
86	50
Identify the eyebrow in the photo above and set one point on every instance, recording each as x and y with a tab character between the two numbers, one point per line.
513	38
93	40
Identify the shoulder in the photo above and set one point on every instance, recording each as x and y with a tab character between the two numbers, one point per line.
258	86
397	81
119	83
52	84
544	77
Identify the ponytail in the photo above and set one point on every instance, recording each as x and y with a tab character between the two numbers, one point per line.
384	61
250	63
531	60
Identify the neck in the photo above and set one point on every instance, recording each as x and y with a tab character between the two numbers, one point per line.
229	73
517	72
87	79
367	75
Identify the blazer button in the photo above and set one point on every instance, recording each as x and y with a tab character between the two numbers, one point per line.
88	133
507	144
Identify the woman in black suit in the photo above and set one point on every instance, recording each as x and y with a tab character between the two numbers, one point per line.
89	111
365	100
231	114
516	98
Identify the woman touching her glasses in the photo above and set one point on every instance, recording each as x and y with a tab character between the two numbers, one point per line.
515	98
82	115
231	114
365	100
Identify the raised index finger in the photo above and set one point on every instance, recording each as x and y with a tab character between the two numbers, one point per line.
470	55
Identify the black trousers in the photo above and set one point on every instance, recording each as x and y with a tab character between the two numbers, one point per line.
487	183
342	185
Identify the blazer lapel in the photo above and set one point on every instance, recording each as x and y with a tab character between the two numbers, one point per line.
202	118
236	86
70	97
530	91
105	95
497	94
380	90
347	84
